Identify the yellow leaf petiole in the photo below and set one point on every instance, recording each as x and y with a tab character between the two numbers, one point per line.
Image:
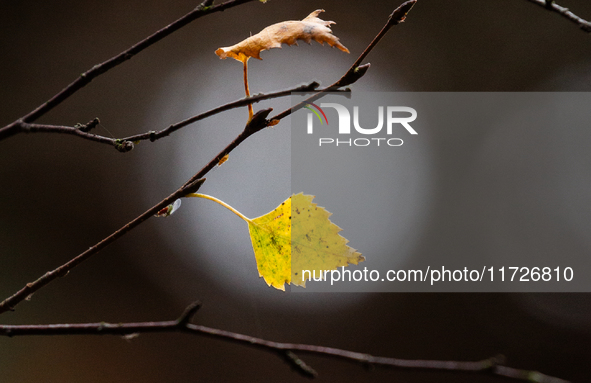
250	111
239	214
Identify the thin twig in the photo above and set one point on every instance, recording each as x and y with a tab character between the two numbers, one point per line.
45	128
489	366
153	136
203	9
564	12
397	17
9	303
257	123
127	143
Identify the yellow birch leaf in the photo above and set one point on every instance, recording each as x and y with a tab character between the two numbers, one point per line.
297	235
287	32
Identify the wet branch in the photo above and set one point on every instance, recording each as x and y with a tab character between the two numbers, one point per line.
490	366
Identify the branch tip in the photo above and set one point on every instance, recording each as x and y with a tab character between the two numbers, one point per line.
188	314
400	13
313	85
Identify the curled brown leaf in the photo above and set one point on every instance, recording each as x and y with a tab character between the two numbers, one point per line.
287	32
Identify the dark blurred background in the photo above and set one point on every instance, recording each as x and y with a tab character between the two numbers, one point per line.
61	194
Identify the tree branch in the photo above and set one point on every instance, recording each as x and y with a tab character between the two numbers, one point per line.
205	8
564	12
127	144
9	303
153	136
354	73
492	365
256	124
25	127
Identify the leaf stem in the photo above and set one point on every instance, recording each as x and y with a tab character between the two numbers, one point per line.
250	111
239	214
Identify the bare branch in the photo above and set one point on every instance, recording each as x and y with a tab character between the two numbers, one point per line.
258	122
153	136
126	144
25	127
9	303
203	9
564	12
187	315
492	365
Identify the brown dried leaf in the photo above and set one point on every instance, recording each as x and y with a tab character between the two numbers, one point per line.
287	32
